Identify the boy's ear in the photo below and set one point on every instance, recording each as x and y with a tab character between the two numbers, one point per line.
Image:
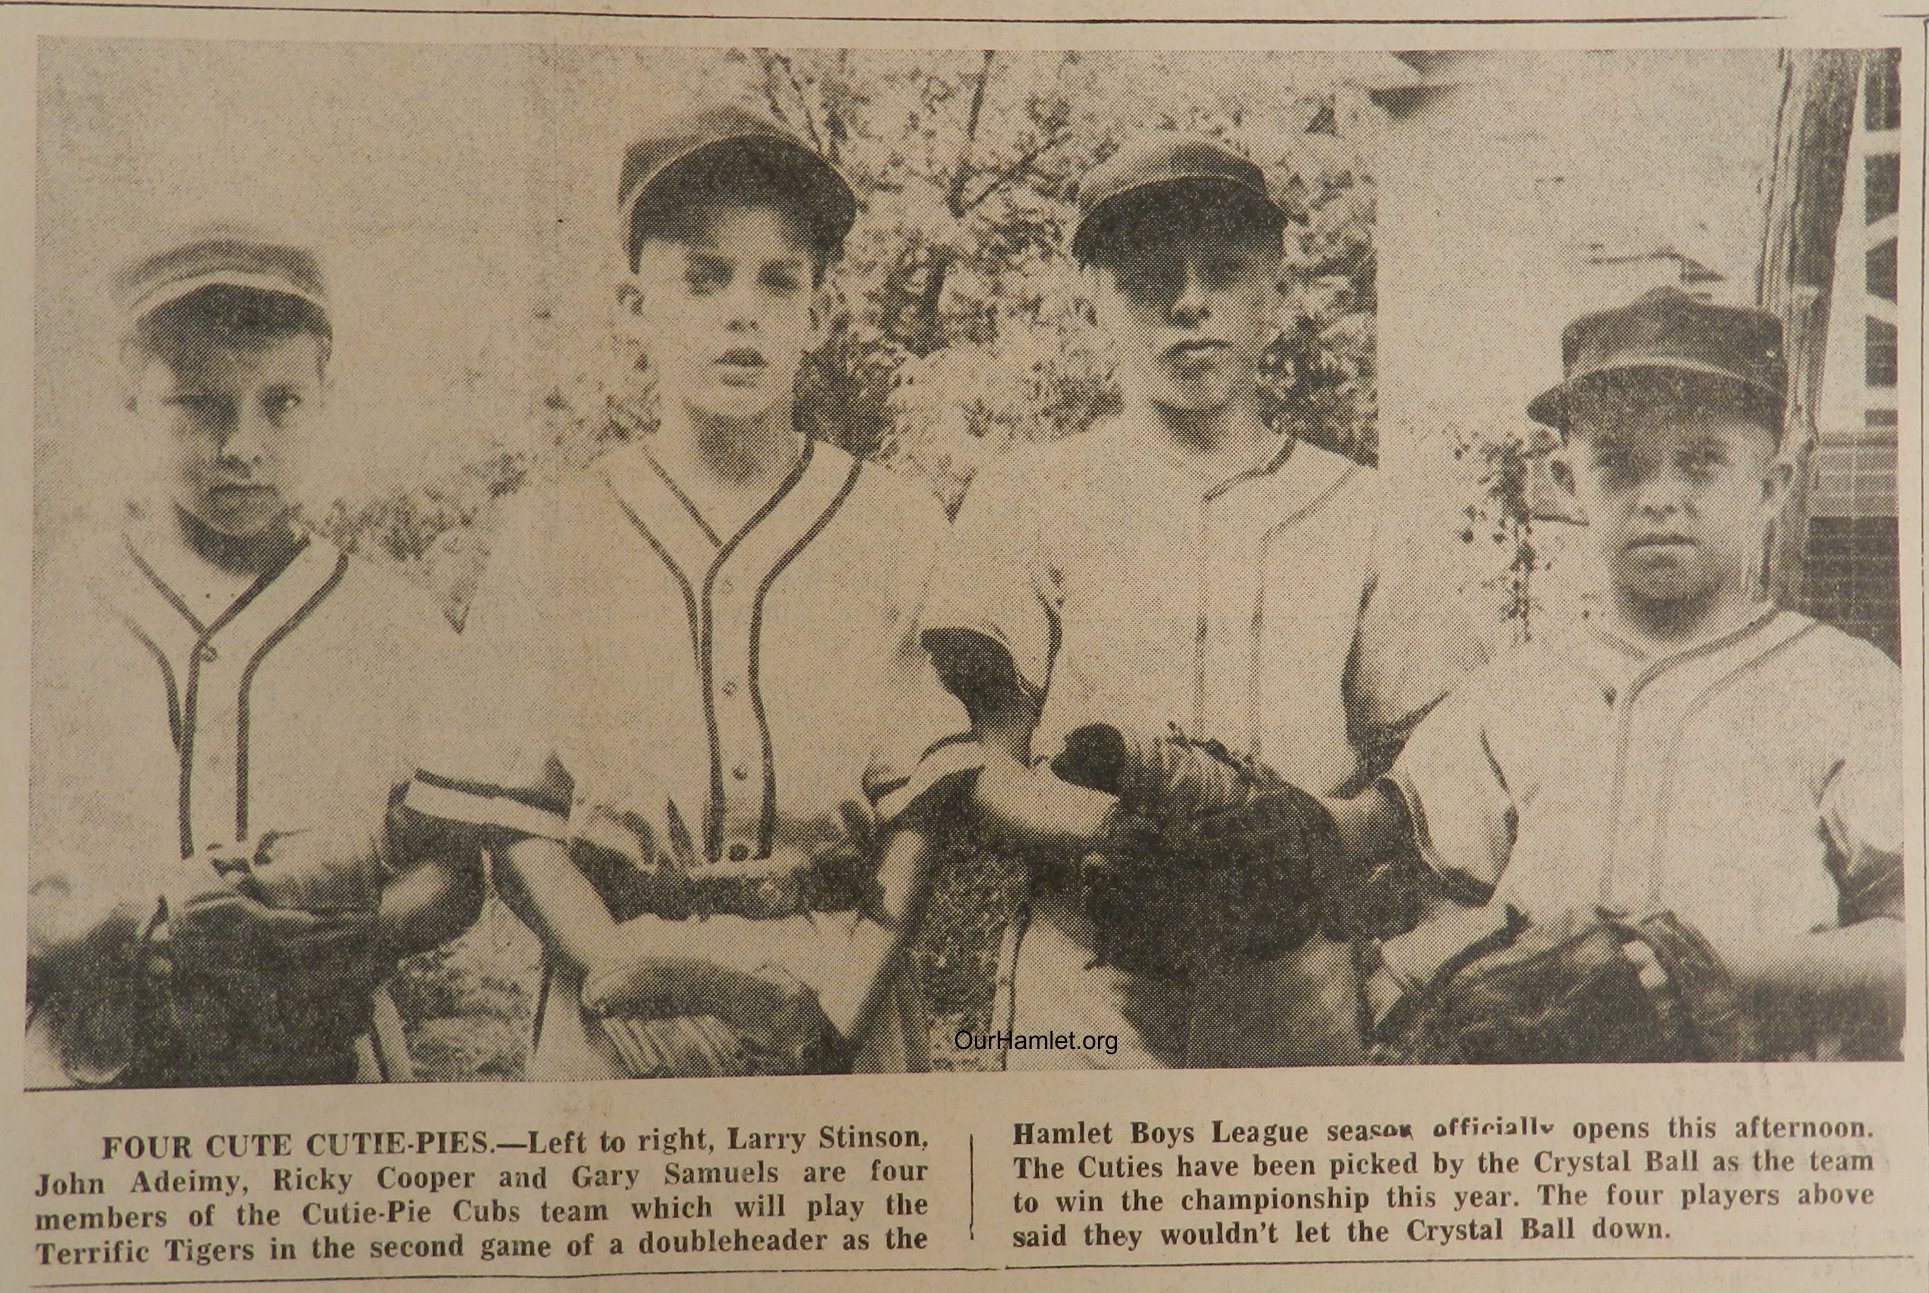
1560	468
1096	285
1776	482
629	297
131	360
821	304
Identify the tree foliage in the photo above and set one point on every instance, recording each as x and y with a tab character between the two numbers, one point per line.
959	328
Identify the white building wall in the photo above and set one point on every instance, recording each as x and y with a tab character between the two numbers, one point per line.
1538	187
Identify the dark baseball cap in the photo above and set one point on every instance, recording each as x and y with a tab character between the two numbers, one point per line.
1667	331
218	256
1164	165
730	141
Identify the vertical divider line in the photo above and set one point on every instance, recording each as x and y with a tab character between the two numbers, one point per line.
971	1187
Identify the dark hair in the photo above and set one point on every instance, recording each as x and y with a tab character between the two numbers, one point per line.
229	317
1121	229
682	202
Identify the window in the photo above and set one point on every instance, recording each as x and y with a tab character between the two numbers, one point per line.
1881	186
1882	91
1881	270
1881	353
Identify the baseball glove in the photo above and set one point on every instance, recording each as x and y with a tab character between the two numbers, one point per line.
1209	859
1611	990
687	1017
268	953
298	907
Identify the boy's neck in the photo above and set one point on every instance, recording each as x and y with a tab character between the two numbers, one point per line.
739	454
208	568
1662	627
1219	442
242	556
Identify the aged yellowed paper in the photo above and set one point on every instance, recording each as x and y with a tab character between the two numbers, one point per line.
1039	646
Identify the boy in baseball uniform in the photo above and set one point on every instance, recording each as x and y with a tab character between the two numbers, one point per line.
1183	562
696	669
1693	749
226	710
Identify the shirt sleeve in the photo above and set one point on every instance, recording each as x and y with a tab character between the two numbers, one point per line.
925	737
490	752
98	862
1861	799
993	577
1416	638
1463	816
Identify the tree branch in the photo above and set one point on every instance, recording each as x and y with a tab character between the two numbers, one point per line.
1011	173
803	101
972	118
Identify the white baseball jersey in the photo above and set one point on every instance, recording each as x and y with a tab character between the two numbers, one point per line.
161	728
1751	784
1269	611
760	680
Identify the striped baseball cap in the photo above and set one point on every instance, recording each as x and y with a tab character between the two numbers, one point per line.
219	256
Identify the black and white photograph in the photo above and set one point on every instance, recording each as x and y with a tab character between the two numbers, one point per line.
591	562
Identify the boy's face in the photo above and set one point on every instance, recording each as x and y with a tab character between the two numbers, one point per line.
1191	312
1676	490
727	318
234	424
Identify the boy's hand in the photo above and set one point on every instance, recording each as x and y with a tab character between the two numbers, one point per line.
310	869
303	902
1034	807
654	867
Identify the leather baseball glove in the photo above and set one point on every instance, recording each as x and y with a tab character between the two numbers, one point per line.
1208	860
688	1017
281	949
1601	990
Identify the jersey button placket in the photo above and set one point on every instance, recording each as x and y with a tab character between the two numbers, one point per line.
739	747
211	786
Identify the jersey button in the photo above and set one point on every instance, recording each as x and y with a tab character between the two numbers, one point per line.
739	852
730	687
740	772
726	585
208	654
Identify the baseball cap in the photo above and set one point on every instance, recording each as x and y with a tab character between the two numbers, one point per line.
218	256
1669	331
1160	164
735	141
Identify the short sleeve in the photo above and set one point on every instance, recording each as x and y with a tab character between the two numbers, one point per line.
993	577
489	750
1861	800
925	734
1416	639
1463	816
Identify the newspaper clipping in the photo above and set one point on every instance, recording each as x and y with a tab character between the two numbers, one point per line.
1132	648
